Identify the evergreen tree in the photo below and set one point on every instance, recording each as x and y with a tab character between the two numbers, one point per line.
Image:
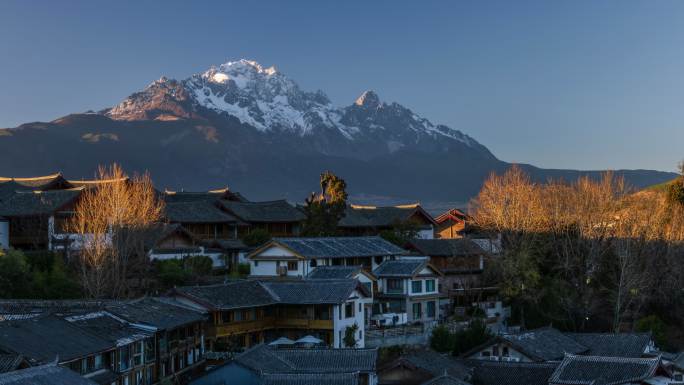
325	209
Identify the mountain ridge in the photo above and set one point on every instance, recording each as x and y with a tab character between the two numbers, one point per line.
254	129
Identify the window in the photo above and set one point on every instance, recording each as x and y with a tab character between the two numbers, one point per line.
416	286
417	311
138	353
431	309
256	263
378	260
97	362
495	351
505	351
485	354
349	310
237	316
313	263
292	266
225	317
430	285
395	286
360	307
124	358
368	286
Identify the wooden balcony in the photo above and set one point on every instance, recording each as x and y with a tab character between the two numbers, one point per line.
267	323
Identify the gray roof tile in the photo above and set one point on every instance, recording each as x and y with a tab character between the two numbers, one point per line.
161	313
510	373
265	359
340	247
407	267
37	203
271	211
201	211
612	344
446	247
584	370
42	339
230	295
436	363
544	344
334	272
310	379
44	375
251	293
361	216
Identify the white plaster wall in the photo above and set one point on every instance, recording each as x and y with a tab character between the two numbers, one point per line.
426	233
262	268
340	325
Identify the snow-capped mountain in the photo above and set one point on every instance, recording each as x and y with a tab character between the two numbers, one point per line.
269	101
253	129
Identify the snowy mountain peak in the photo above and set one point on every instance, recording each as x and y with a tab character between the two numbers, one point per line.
368	99
267	100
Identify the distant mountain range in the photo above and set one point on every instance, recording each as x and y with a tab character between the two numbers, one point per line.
253	129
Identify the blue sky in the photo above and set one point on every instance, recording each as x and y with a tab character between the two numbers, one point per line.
573	84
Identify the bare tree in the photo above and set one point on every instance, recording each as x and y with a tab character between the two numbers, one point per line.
112	218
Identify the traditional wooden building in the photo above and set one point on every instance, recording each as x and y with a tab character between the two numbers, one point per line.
548	345
178	335
44	339
244	313
372	220
265	365
420	367
37	219
297	257
278	218
408	291
451	224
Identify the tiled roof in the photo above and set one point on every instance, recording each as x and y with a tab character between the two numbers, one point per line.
211	195
39	182
310	379
107	327
271	211
250	293
594	370
510	373
201	211
44	375
10	362
265	359
456	247
436	364
313	291
161	313
334	272
445	379
8	189
340	247
14	307
370	216
230	295
612	344
544	344
42	339
408	267
37	203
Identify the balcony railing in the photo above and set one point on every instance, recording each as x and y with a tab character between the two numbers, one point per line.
268	323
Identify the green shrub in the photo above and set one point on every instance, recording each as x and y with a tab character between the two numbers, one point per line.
656	327
441	339
256	237
474	335
170	273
